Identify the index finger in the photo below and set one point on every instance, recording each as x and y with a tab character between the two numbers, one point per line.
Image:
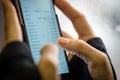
68	10
13	30
79	21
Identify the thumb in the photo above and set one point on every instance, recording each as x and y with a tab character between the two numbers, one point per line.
50	52
80	48
49	62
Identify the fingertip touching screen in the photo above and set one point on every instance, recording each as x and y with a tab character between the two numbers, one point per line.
42	27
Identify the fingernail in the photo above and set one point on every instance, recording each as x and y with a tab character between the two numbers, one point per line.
63	41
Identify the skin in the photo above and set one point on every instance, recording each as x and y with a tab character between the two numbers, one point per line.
98	63
13	33
13	30
49	57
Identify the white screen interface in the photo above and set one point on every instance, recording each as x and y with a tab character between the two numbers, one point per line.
41	27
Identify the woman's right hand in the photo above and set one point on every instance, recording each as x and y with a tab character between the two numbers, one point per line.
98	63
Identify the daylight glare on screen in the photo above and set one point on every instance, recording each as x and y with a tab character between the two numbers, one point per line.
41	26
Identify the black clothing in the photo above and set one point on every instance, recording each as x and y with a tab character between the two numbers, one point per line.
78	68
16	63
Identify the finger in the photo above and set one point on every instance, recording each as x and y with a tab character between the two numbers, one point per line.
12	27
66	35
81	49
67	9
49	49
48	64
79	21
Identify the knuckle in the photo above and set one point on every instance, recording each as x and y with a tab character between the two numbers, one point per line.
102	60
79	45
79	18
82	15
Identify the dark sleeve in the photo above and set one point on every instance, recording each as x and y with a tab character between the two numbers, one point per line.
16	63
78	68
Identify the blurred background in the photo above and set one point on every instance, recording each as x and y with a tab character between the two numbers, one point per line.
104	17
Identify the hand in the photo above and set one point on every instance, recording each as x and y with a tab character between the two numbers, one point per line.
48	64
12	26
98	63
13	33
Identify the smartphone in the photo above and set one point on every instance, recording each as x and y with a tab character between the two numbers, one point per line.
40	26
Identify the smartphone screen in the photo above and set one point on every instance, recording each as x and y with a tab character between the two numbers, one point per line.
42	27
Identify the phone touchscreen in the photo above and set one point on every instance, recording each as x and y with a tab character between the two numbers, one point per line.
42	27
